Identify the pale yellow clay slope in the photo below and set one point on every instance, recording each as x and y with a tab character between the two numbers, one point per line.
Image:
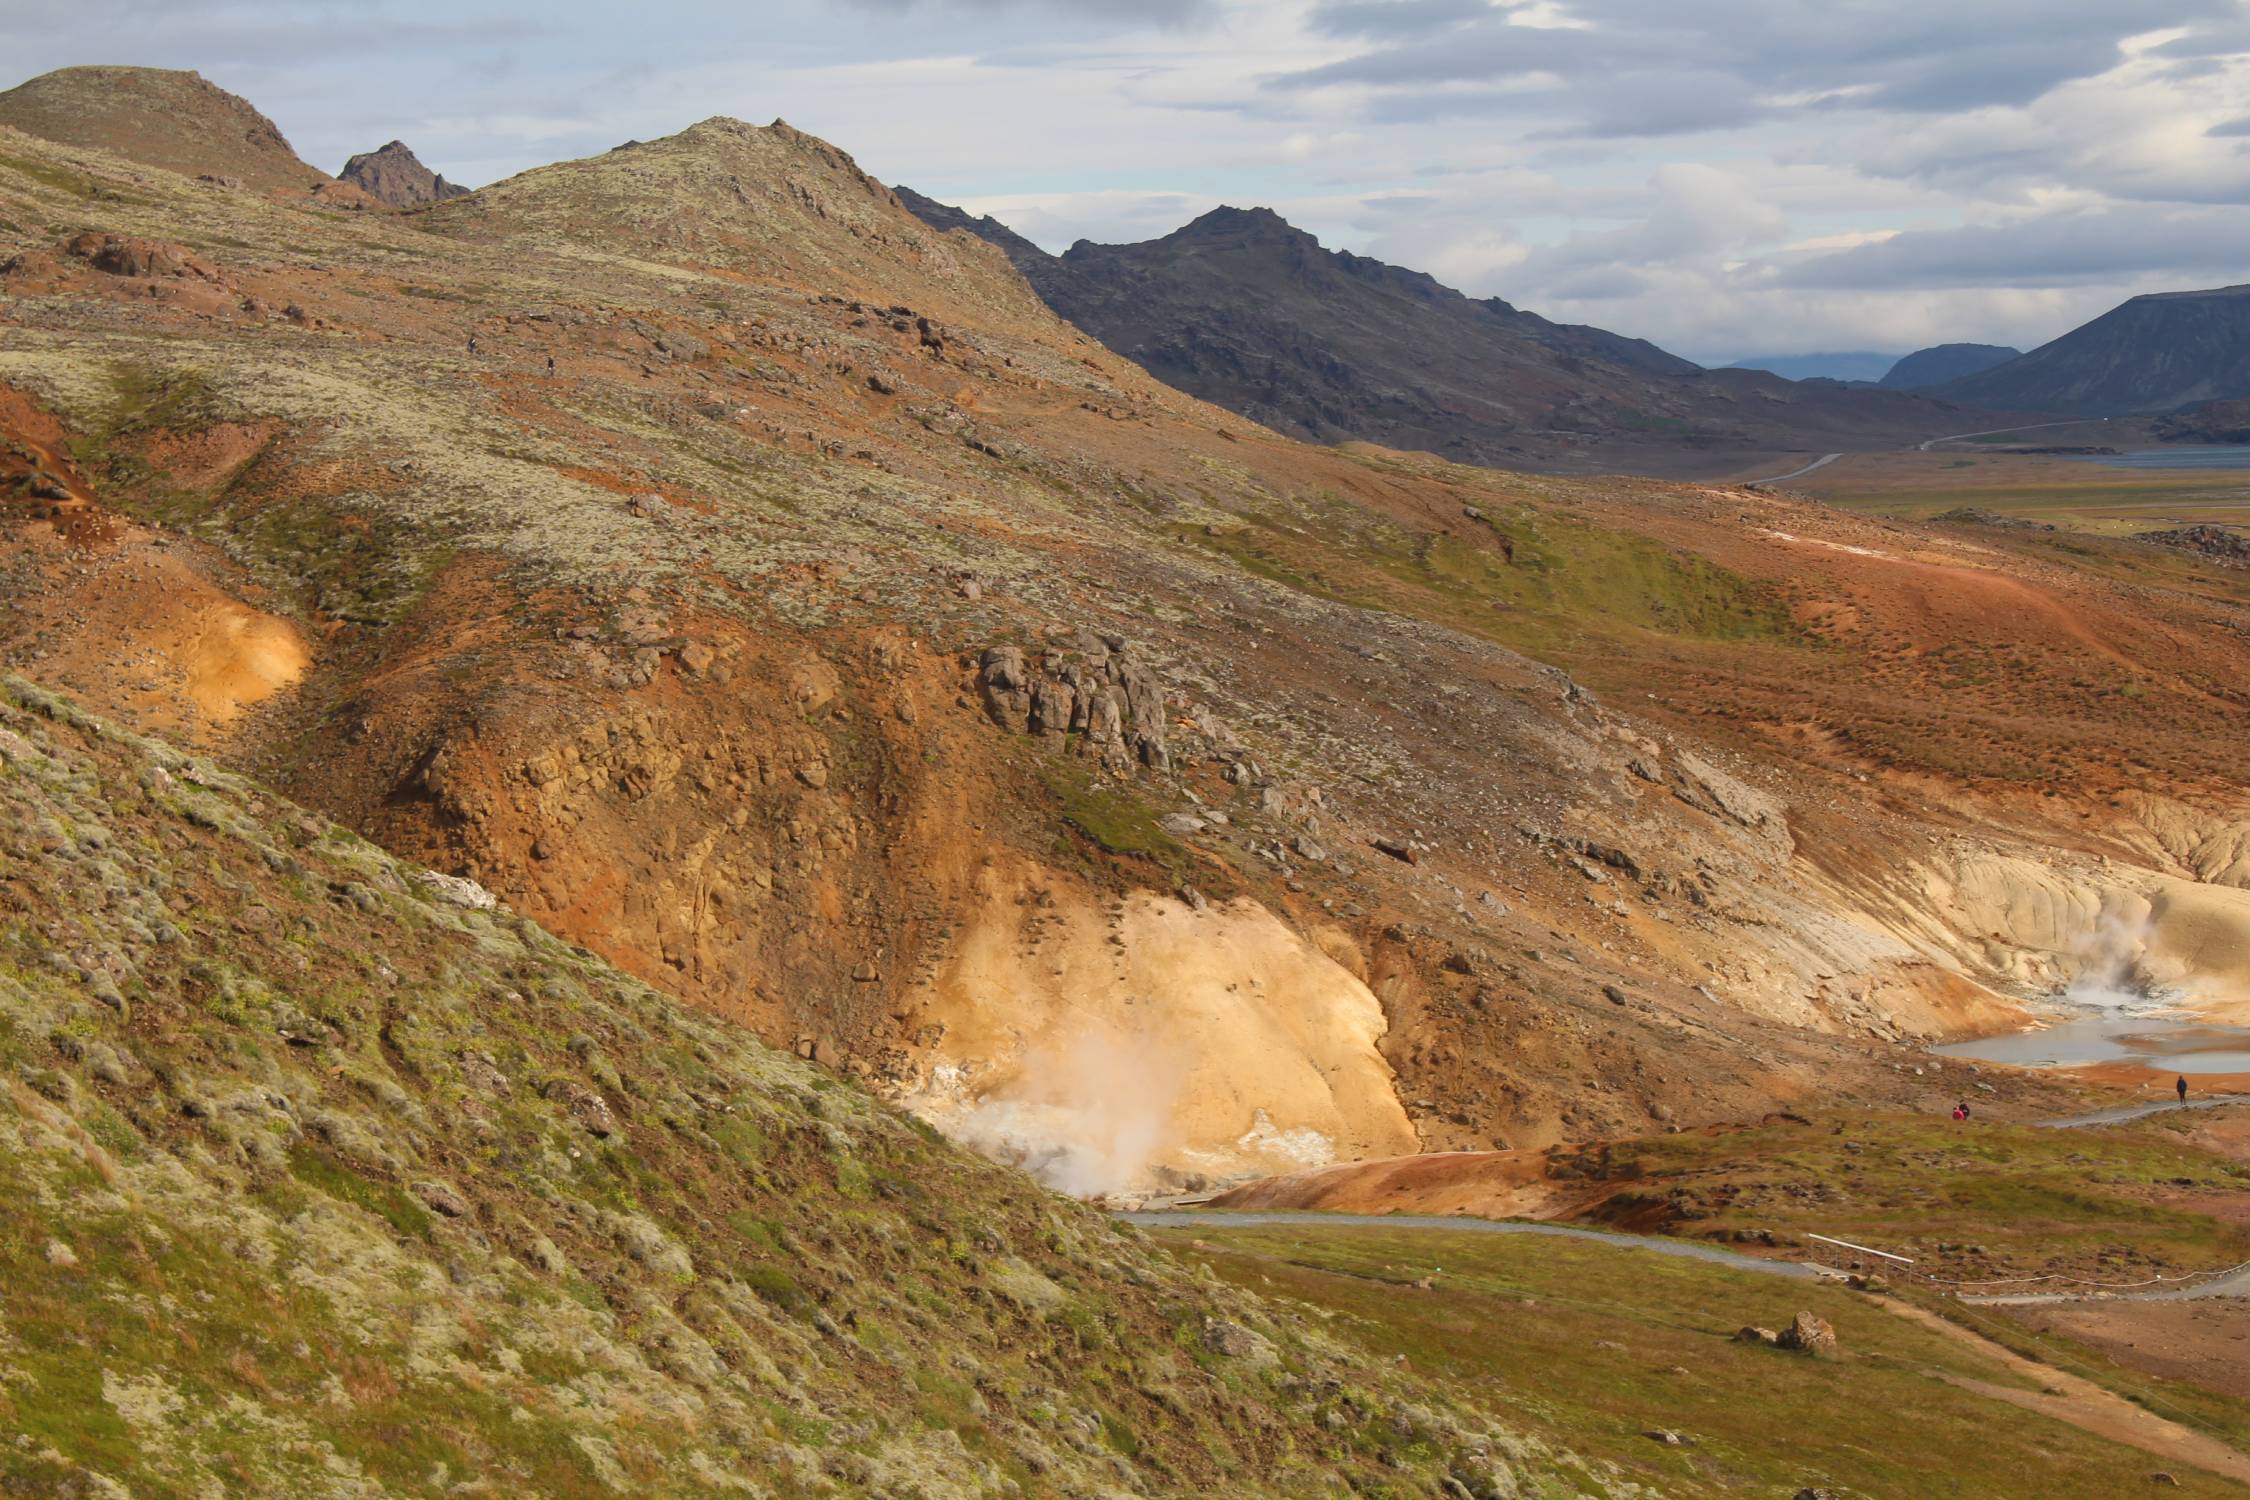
2114	927
1150	1045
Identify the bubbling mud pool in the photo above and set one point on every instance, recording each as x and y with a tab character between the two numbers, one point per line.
2110	1036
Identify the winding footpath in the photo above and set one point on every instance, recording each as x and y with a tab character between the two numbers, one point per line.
1221	1218
2137	1111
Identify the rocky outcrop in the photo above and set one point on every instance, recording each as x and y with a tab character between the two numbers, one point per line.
1708	789
394	175
2210	422
121	255
2221	544
1091	688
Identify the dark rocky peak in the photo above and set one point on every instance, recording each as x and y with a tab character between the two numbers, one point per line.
944	216
394	175
1253	224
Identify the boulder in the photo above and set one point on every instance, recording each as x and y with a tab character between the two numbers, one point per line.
121	255
1232	1340
1812	1335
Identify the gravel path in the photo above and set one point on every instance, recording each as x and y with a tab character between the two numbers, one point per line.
1221	1218
2137	1111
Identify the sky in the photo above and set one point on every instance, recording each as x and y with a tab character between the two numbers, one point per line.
1725	177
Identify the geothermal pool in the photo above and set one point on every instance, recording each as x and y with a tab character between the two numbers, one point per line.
2102	1035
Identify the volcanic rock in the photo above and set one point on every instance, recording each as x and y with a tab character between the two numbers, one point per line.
393	175
2222	544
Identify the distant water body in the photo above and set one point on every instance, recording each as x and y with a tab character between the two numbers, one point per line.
2219	456
2100	1036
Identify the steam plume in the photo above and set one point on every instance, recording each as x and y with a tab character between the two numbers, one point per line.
2109	974
1086	1116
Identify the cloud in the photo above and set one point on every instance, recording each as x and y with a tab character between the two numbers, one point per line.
2044	251
1914	56
1120	14
1388	18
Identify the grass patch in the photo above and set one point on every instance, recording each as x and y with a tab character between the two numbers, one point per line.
779	1288
1113	819
1603	1345
46	174
1547	580
317	1170
1988	1199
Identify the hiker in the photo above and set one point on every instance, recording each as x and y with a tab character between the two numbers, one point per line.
472	343
2180	1083
1963	1107
1960	1113
550	364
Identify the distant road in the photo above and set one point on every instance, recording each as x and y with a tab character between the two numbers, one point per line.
1821	462
1826	459
1992	432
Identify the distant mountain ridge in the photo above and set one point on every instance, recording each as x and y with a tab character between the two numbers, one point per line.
1848	366
2155	353
1940	363
1244	310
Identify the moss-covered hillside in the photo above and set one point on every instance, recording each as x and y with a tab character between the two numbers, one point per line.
318	1177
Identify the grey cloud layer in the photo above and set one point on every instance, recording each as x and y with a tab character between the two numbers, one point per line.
1444	56
2050	250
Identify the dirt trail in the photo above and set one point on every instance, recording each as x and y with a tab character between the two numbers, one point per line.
2081	1403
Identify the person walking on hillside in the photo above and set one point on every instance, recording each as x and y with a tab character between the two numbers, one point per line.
1960	1113
2180	1083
